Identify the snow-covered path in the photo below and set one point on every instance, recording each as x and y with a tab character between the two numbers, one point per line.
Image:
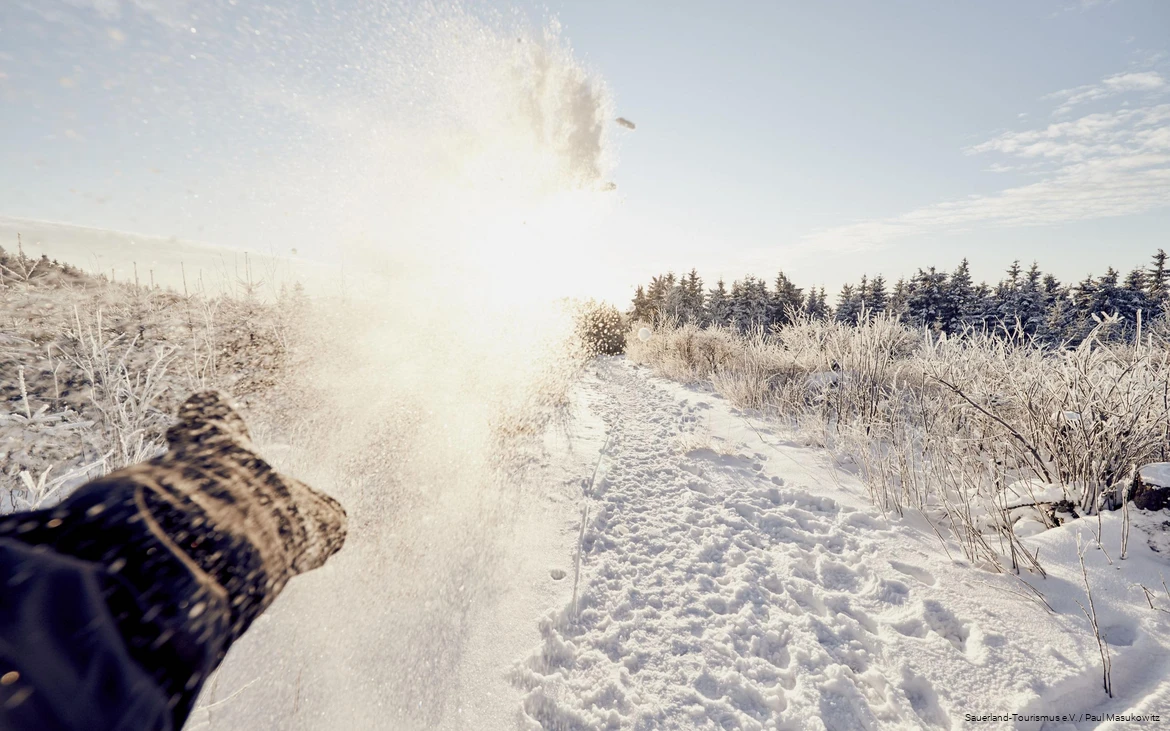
732	580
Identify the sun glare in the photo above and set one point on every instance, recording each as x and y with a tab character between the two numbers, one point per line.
540	250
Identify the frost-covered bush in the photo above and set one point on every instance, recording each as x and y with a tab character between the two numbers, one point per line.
601	328
982	434
688	353
91	371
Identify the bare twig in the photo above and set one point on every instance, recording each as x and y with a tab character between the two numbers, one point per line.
1091	615
1011	430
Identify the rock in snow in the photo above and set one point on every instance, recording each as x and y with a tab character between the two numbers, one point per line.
1151	491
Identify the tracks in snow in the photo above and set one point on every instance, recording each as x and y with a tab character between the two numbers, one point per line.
716	596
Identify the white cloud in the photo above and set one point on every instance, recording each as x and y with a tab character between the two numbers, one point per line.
1132	81
1097	166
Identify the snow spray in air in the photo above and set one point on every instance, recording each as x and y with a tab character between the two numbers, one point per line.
454	164
443	168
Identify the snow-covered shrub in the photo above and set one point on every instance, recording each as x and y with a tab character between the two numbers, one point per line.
601	328
866	360
687	353
1079	418
91	371
952	427
761	375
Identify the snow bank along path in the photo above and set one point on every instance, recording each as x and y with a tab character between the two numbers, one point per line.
732	580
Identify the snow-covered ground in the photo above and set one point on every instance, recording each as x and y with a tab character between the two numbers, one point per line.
731	578
655	559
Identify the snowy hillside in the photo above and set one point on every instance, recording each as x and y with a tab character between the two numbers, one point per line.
167	262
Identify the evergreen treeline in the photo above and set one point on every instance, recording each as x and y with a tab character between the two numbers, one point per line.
1025	303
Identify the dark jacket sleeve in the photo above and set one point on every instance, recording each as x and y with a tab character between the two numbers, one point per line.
117	604
63	663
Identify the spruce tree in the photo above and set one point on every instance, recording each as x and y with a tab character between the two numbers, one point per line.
641	307
749	304
760	302
816	307
898	299
926	303
1043	308
1132	298
982	314
657	293
692	297
1083	304
787	300
1108	294
1051	289
718	306
1157	285
879	299
862	295
1006	307
1014	272
1029	300
958	305
1060	322
1094	299
848	305
675	306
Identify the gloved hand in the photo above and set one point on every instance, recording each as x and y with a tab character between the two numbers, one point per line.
117	604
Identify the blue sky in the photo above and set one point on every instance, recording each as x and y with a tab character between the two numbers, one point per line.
825	139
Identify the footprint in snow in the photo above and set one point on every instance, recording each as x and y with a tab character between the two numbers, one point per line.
916	572
932	617
924	700
1119	635
892	592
